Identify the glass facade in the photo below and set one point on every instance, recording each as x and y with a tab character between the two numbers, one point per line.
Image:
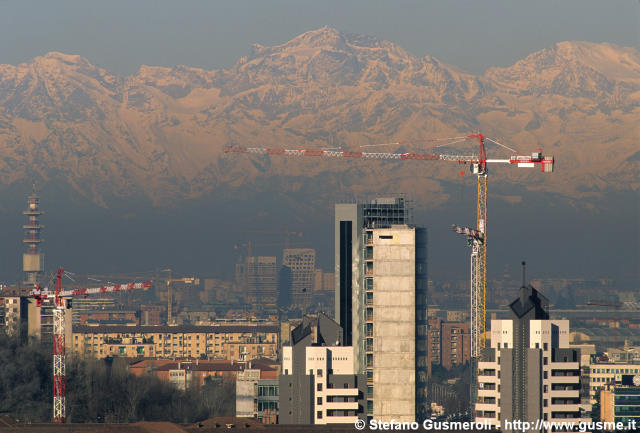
627	404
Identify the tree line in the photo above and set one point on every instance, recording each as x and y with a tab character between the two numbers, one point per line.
100	390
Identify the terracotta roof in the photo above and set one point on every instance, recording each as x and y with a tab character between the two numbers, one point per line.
200	365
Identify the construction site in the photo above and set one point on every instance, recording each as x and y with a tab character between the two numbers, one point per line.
380	292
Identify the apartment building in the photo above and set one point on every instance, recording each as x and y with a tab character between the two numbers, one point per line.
231	342
14	314
319	384
530	373
449	343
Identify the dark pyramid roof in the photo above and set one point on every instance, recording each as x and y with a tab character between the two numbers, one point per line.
327	331
530	299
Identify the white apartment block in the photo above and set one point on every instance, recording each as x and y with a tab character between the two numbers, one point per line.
530	372
331	371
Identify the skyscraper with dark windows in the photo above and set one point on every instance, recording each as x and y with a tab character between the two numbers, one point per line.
350	221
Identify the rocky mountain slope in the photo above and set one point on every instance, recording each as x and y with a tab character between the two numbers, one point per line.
161	132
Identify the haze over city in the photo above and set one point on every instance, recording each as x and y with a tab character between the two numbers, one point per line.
587	216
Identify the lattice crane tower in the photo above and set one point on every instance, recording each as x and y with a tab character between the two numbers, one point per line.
61	298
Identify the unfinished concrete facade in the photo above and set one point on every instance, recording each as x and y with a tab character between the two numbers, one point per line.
395	322
351	220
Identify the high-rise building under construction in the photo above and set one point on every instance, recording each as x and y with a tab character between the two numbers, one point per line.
350	221
381	303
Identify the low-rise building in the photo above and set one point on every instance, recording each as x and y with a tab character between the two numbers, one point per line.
626	354
108	316
257	396
620	402
230	342
603	374
187	372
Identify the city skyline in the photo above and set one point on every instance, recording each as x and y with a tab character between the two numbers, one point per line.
248	215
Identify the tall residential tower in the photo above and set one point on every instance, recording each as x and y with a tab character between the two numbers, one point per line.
530	372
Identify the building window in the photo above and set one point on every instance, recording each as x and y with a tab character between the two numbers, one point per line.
319	387
319	372
545	346
545	360
545	374
369	298
319	414
546	402
319	402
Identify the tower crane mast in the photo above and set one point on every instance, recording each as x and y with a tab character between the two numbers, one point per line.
59	349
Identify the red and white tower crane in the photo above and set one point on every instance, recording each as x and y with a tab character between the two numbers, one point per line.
59	356
477	237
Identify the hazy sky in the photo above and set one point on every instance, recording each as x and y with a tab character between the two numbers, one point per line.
473	34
